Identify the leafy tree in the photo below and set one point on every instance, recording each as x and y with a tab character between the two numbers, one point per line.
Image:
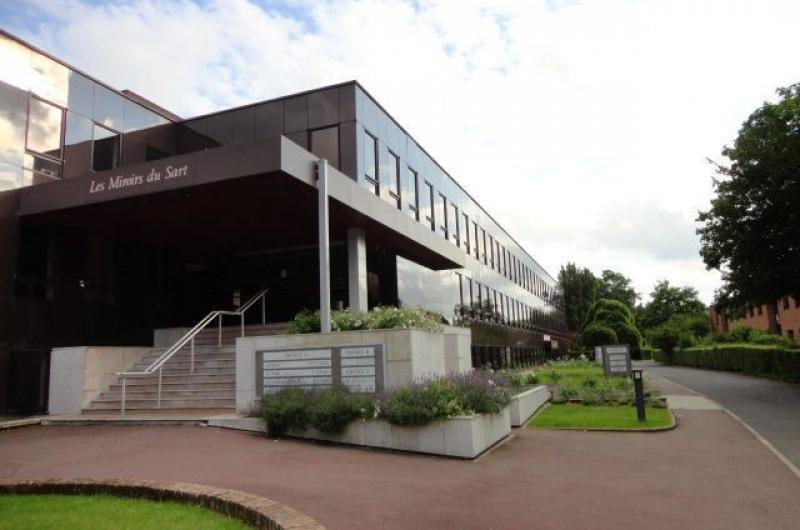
579	288
667	301
616	316
598	335
752	231
616	286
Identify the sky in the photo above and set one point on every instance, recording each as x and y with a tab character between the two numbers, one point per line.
583	127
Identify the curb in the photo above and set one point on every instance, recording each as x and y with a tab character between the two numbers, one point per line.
251	509
24	422
671	426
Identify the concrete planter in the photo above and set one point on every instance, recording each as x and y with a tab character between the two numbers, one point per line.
407	355
460	436
525	404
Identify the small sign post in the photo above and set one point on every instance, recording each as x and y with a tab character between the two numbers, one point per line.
638	388
617	359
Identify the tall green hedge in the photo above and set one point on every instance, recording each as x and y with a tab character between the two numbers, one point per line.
763	361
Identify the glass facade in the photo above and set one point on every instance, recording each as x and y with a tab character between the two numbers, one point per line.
57	123
499	272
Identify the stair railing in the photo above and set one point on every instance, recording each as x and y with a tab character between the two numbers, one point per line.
188	338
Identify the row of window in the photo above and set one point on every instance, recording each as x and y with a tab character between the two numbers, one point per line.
431	207
785	302
503	307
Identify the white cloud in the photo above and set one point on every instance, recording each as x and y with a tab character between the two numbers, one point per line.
582	127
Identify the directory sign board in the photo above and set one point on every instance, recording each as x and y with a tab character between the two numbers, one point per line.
617	359
358	368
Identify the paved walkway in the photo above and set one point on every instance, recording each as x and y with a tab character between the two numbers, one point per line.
770	407
709	473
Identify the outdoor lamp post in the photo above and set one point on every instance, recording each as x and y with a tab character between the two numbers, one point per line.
638	389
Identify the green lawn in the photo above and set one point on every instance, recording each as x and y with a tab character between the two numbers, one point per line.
65	512
569	374
571	416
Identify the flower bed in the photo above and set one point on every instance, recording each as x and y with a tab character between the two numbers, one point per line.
456	415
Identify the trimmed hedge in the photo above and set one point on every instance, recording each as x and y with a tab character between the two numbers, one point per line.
763	361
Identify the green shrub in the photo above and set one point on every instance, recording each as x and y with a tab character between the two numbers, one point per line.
598	335
481	392
421	403
522	379
286	409
760	360
383	317
332	409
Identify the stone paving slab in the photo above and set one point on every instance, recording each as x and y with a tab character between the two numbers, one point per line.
709	474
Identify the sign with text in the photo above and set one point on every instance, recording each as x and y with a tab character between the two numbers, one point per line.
357	368
617	359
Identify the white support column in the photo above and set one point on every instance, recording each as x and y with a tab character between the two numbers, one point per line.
324	249
357	269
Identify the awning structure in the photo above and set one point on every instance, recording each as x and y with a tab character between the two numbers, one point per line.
232	199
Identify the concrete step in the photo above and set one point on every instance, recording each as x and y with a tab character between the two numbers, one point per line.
196	378
140	386
166	403
185	372
152	393
205	364
141	416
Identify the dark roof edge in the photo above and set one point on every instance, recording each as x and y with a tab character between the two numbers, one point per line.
136	98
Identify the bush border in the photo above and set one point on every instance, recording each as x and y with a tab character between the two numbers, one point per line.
251	509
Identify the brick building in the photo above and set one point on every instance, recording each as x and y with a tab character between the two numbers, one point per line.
782	317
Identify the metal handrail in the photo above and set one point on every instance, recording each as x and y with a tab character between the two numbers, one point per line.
189	337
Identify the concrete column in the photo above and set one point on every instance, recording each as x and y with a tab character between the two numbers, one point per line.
357	269
324	249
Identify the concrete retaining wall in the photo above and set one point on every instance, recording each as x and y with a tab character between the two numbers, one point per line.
525	404
407	355
461	436
81	373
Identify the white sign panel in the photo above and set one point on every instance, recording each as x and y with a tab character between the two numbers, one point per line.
356	368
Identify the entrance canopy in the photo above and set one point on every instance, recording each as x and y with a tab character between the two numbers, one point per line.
242	198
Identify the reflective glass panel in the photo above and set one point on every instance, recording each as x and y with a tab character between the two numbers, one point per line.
44	128
370	159
81	94
15	63
49	79
13	117
109	108
10	176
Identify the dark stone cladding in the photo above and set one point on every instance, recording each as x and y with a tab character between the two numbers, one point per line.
251	509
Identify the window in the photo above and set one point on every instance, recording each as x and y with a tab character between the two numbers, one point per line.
479	289
441	214
427	205
371	162
413	193
491	251
786	302
797	303
44	128
482	241
460	289
466	234
476	242
325	144
393	178
471	294
790	334
105	149
497	255
760	310
453	224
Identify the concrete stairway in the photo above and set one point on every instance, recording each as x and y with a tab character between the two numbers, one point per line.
209	390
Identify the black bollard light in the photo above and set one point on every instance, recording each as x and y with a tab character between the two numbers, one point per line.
638	390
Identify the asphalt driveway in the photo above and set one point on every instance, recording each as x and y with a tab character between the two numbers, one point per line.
770	407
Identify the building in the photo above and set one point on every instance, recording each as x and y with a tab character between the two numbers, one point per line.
782	318
117	218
